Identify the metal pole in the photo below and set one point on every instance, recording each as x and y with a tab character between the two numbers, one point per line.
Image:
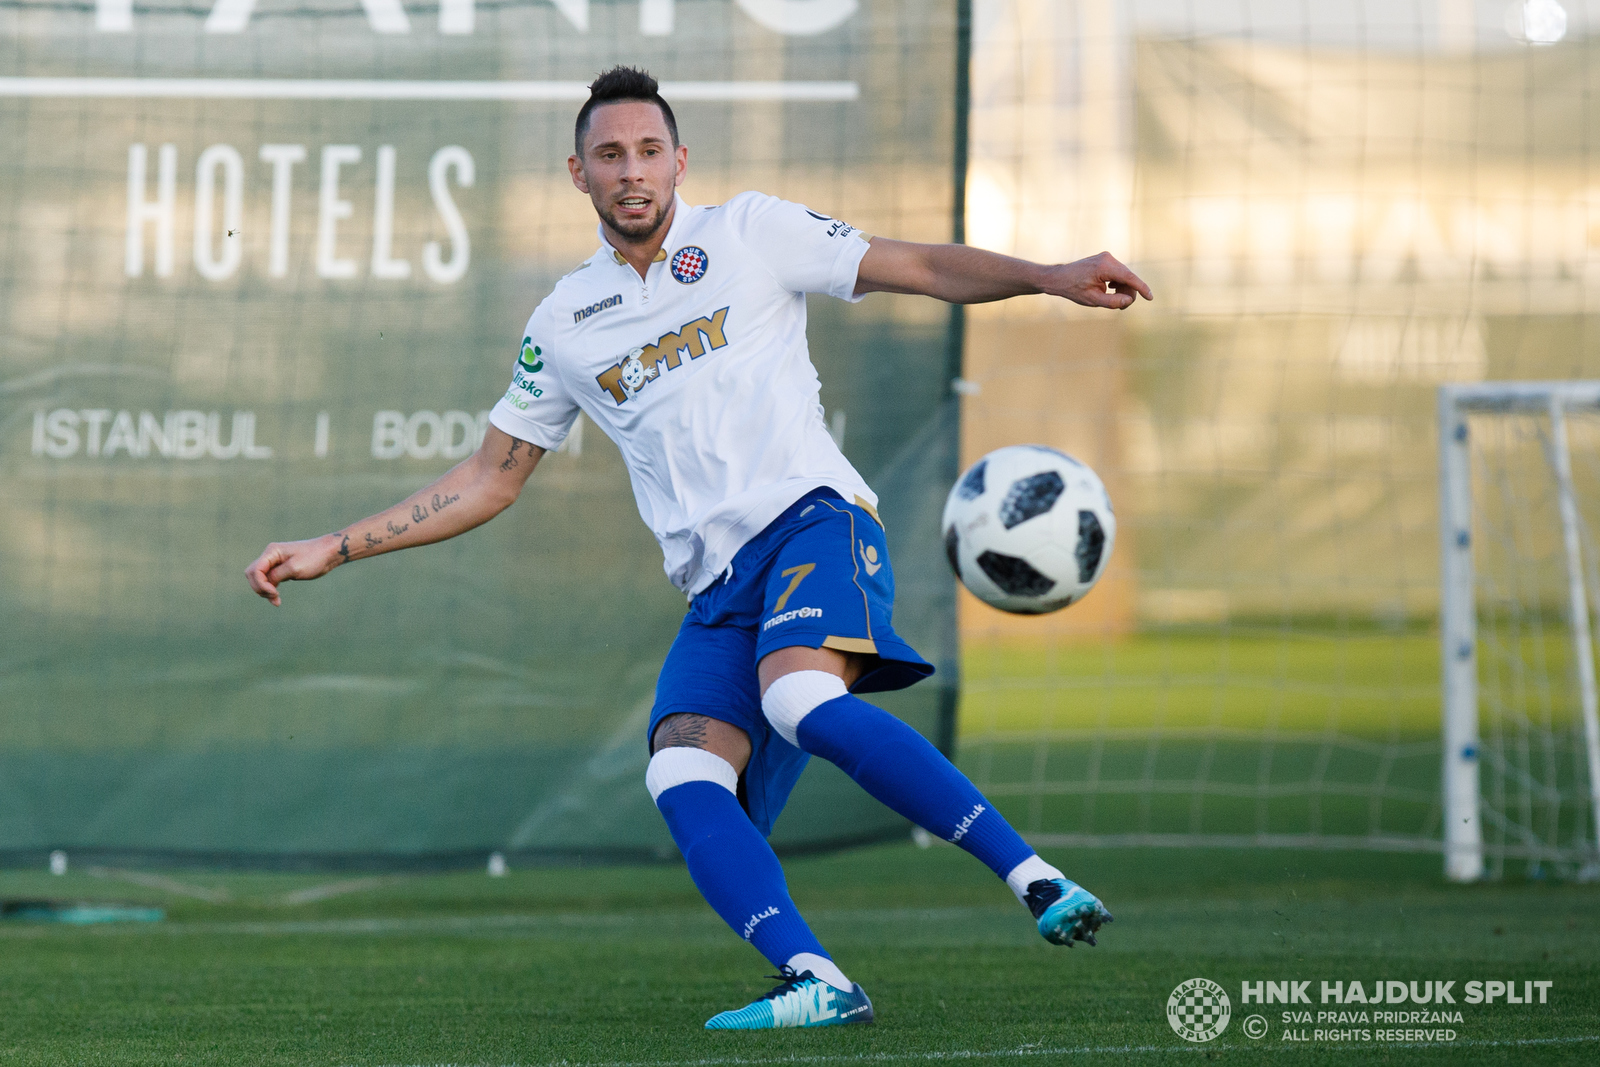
955	352
1577	604
1458	637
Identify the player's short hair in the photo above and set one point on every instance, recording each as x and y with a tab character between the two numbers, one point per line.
622	83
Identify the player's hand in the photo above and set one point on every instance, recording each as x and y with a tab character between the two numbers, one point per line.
1098	282
293	561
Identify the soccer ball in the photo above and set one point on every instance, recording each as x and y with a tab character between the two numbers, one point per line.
1029	529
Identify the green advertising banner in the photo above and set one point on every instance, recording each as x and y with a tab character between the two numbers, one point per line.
263	270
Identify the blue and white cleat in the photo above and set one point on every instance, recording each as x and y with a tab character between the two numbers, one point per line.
802	1000
1066	911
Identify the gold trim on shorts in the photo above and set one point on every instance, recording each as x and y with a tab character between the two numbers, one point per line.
870	510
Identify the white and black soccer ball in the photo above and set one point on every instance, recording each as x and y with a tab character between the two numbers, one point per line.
1029	529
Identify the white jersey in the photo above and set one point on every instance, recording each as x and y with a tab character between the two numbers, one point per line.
699	372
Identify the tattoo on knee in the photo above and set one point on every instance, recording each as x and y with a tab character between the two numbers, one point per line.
680	731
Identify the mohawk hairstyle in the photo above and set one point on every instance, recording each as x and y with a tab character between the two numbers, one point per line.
622	83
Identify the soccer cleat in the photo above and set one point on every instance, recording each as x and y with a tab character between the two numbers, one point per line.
1066	911
802	1000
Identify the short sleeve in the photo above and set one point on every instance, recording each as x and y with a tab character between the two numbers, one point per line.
807	252
537	407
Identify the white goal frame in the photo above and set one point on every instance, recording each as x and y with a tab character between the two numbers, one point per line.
1458	616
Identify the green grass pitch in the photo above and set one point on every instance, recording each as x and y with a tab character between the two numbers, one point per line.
1256	677
623	964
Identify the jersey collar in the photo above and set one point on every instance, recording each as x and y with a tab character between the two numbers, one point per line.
680	212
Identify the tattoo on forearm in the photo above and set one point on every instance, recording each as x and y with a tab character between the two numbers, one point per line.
419	512
682	730
511	456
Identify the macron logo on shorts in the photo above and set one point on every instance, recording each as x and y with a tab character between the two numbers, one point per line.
790	616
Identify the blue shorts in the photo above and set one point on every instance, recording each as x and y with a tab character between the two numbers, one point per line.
817	576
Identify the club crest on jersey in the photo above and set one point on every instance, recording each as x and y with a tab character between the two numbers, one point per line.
689	264
641	366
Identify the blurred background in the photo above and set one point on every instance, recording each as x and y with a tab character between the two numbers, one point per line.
1340	207
232	317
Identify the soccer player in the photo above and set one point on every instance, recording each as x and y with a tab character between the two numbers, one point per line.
683	338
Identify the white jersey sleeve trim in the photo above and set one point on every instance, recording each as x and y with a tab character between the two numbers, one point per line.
502	417
847	268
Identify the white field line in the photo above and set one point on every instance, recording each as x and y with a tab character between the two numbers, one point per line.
464	925
1030	1051
338	889
400	89
161	882
682	921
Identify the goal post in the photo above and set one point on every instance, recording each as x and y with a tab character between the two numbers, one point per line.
1508	706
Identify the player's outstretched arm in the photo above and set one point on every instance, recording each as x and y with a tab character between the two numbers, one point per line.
965	275
470	494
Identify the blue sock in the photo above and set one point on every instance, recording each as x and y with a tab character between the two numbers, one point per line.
904	772
736	870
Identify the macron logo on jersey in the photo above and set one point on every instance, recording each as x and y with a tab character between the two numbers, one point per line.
638	369
599	305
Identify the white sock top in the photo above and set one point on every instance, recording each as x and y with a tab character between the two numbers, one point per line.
823	968
796	695
675	766
1029	871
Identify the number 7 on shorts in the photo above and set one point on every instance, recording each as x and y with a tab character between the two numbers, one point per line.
799	573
